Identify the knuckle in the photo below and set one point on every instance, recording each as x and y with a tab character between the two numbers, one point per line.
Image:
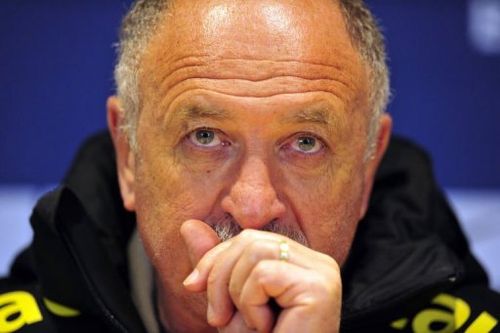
235	294
203	265
254	246
211	280
323	286
331	263
259	250
316	283
247	234
262	270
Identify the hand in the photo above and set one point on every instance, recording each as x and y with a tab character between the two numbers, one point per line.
244	273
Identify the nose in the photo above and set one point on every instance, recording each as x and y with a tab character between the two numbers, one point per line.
252	199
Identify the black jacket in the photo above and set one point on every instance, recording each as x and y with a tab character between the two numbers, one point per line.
410	268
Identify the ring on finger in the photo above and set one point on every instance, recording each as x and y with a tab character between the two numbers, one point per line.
284	251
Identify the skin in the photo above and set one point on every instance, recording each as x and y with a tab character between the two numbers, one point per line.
283	96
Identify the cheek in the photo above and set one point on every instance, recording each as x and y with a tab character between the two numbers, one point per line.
328	210
168	194
163	204
158	212
159	207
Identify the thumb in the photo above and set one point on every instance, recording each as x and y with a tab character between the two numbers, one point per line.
199	238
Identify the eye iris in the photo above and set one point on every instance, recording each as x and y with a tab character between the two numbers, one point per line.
306	143
205	137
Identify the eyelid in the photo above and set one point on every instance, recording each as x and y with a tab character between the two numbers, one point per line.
306	134
289	142
218	134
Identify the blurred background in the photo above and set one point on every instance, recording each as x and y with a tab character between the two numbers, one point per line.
56	62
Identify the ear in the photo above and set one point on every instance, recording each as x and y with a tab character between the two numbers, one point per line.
125	159
382	141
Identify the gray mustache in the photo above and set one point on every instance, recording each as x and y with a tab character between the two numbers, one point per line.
226	228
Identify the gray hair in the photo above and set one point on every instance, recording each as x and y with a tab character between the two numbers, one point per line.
226	228
143	19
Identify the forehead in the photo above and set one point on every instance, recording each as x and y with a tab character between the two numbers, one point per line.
256	29
265	41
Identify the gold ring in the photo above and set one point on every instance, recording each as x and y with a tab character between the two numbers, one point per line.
284	251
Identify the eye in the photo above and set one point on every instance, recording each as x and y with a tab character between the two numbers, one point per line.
307	144
205	137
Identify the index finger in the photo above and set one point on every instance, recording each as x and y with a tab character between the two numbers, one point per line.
199	238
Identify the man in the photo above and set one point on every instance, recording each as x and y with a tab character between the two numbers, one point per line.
247	137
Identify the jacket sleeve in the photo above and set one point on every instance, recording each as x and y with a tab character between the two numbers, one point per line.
467	309
22	306
470	306
25	304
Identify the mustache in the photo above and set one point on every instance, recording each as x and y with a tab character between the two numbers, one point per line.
226	227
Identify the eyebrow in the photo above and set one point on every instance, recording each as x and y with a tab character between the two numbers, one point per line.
197	112
320	116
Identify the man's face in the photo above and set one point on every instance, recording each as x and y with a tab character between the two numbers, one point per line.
256	110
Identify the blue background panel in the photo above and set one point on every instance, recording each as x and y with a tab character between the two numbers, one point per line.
56	60
445	92
56	71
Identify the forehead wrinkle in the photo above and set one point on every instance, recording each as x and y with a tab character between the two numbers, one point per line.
282	85
319	115
251	70
254	90
172	100
205	59
254	70
256	78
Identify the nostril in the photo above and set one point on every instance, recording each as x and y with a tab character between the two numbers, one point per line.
225	226
275	220
273	226
225	218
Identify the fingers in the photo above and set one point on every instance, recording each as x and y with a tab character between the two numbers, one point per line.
252	255
246	272
251	245
236	325
199	238
259	288
213	271
270	249
309	300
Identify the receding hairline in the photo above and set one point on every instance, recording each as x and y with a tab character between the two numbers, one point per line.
157	44
167	12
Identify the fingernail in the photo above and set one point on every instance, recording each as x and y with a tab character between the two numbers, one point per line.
210	314
191	279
